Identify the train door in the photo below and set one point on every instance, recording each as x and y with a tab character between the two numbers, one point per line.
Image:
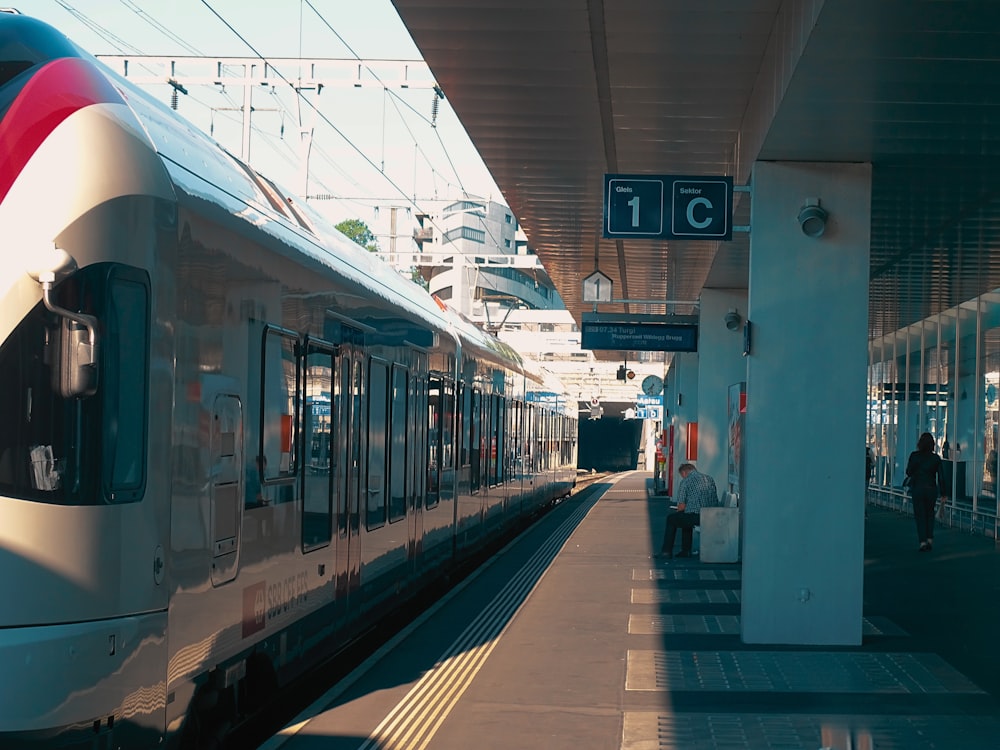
226	485
475	440
375	483
317	486
400	459
529	448
348	477
417	430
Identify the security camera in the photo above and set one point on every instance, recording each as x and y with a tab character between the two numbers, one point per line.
732	319
812	218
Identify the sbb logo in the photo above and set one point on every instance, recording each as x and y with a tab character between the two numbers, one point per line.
254	608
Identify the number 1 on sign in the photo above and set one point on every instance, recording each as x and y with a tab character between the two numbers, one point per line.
634	203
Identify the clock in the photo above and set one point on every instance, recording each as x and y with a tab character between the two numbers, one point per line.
652	385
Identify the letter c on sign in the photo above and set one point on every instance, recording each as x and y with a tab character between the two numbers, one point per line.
690	213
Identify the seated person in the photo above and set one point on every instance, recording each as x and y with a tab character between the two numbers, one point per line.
696	491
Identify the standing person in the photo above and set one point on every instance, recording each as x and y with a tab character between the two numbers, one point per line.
696	491
926	484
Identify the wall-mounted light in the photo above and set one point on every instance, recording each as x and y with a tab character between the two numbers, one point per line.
812	218
733	319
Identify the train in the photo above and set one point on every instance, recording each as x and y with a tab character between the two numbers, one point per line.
231	439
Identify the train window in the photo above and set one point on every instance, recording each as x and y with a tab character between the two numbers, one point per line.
342	412
560	439
378	418
447	428
79	451
567	444
434	435
496	452
353	467
317	494
417	431
464	421
529	446
397	464
476	440
545	449
276	460
513	450
126	373
487	437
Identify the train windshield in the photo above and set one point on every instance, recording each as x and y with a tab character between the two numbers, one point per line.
70	450
26	44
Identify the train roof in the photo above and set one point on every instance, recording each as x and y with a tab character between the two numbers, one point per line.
204	168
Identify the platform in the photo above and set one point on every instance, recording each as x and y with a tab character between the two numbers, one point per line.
574	638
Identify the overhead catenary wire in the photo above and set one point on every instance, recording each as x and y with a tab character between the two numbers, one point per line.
395	97
145	16
115	41
280	147
312	106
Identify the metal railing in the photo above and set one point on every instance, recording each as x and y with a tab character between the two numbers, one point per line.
958	514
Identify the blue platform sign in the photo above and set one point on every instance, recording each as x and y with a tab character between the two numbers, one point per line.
668	207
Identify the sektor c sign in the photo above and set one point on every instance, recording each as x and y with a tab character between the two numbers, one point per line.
671	207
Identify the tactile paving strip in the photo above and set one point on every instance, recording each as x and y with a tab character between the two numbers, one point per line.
881	626
717	731
728	625
684	624
685	596
798	671
682	574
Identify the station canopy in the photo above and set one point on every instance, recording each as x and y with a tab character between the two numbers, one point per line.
555	94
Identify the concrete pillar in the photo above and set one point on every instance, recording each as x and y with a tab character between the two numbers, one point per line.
721	364
803	511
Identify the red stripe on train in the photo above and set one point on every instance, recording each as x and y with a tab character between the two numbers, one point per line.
56	91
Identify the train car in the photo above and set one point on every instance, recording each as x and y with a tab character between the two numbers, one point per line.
231	439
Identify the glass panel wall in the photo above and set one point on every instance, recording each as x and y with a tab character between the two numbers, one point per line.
990	359
942	376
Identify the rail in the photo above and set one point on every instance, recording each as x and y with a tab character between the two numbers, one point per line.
586	478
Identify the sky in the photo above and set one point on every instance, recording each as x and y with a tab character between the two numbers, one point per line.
374	147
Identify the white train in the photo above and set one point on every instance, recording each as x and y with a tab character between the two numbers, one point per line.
230	439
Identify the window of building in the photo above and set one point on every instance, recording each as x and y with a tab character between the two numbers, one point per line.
464	233
460	206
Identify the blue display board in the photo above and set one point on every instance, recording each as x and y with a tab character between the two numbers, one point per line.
641	336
